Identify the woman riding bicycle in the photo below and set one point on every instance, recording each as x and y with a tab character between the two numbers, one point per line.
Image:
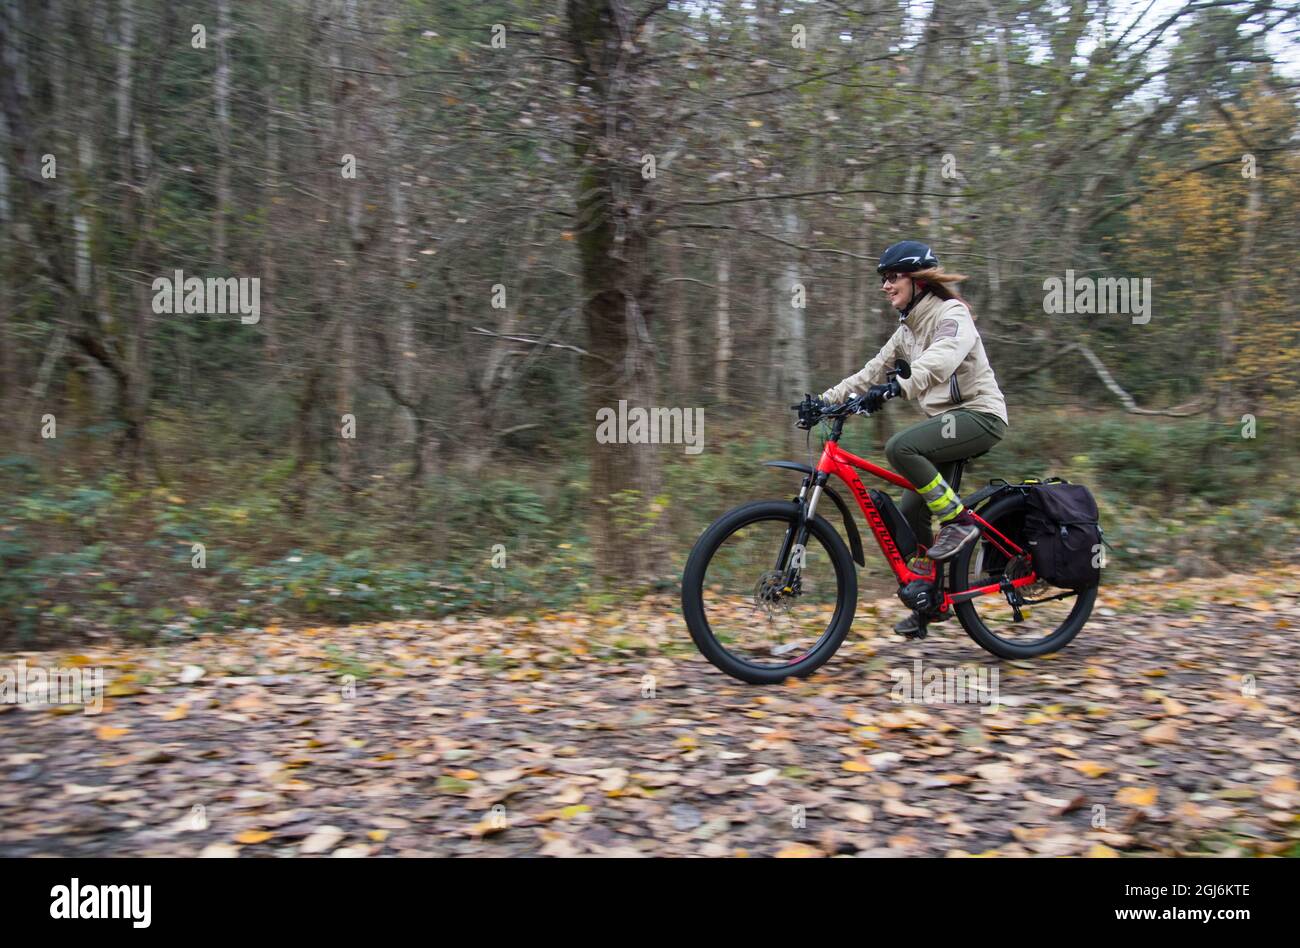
952	381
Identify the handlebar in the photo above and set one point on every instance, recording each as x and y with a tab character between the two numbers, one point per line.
811	410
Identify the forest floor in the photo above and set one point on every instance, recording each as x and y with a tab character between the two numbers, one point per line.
1169	726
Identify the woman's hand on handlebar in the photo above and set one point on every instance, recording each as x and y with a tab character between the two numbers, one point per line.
813	409
877	395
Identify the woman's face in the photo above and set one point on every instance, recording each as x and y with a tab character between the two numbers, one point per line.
898	287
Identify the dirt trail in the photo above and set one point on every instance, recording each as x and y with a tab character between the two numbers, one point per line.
1162	731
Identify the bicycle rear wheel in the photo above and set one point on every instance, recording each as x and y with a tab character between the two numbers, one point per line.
752	609
1051	617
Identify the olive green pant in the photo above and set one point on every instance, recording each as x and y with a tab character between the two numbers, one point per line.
933	447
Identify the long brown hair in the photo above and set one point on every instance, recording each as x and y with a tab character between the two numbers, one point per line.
936	280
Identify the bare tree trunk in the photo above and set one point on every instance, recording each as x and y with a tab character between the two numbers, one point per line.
679	367
1227	399
9	381
351	241
221	99
789	302
722	326
861	331
345	410
135	224
267	322
304	441
613	207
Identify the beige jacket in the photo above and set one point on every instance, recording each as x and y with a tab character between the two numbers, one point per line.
949	367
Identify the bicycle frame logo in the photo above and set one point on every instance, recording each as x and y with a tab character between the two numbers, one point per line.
840	463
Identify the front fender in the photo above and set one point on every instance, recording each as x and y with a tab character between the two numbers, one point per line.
850	527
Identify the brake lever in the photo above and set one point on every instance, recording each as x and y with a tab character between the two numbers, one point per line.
857	405
806	421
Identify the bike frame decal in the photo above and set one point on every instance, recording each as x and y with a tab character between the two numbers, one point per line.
840	463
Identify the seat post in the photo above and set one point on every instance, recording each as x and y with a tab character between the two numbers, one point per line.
956	477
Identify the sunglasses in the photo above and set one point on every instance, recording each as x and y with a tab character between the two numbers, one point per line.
891	276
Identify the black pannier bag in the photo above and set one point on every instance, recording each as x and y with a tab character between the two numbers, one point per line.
1063	532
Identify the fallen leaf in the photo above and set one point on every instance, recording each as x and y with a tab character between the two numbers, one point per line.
1160	734
1089	768
798	851
1137	796
899	808
323	839
219	851
178	713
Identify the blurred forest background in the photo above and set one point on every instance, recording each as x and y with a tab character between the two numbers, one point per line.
555	206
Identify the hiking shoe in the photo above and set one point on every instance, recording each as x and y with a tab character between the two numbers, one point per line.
956	535
912	627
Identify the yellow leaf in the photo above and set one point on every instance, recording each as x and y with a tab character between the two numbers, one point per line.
1137	796
106	732
569	812
857	766
1089	768
378	835
178	713
798	851
1174	706
1101	851
953	780
251	837
1160	734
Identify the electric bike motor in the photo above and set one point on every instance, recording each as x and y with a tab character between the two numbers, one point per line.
920	595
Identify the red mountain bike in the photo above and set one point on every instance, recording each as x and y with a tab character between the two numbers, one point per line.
770	589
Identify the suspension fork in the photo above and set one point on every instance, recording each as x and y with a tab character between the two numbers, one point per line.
797	534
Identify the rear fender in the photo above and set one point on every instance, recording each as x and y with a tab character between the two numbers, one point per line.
851	528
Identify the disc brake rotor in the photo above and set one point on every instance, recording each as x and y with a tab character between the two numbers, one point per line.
772	595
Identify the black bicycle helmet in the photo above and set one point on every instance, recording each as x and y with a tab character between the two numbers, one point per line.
907	256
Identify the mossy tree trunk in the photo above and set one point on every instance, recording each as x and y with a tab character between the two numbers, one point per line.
614	205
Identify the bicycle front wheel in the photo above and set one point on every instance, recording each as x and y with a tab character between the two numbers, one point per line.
760	606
